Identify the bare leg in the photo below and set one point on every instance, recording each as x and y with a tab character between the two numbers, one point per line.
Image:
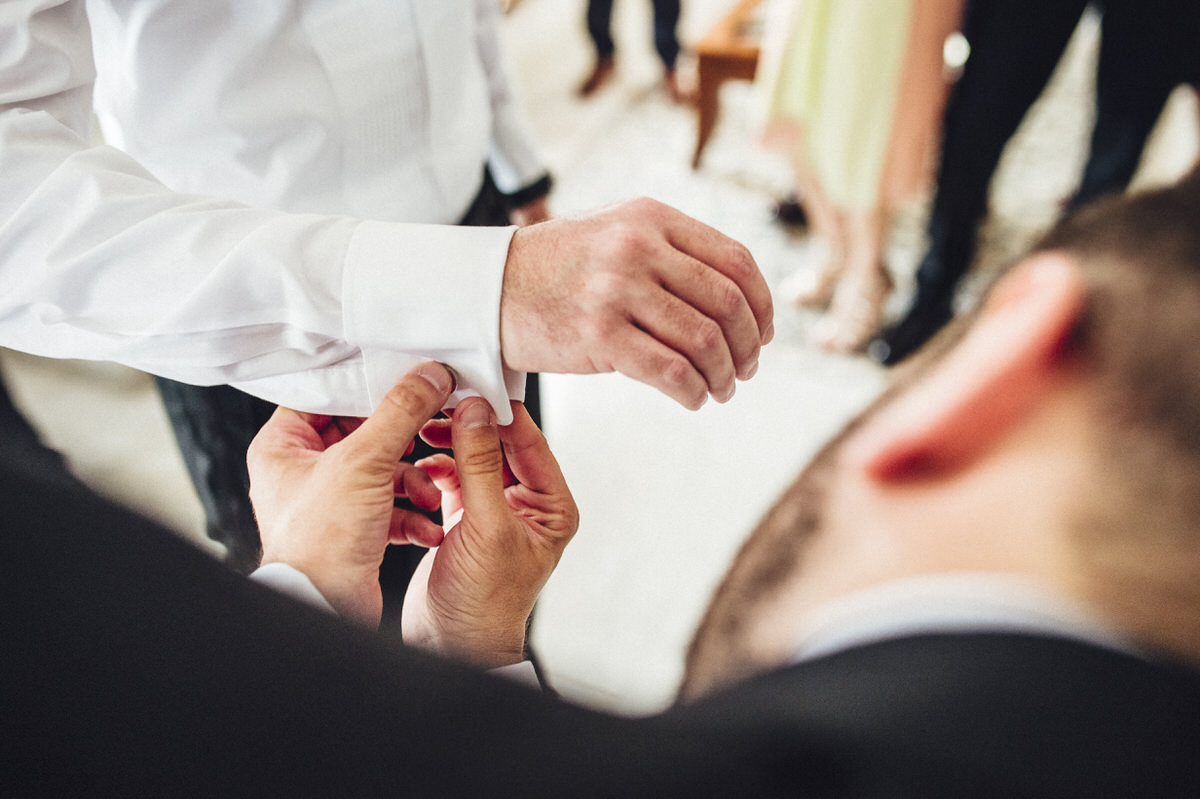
856	312
813	285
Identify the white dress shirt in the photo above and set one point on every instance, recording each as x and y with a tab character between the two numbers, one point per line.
271	210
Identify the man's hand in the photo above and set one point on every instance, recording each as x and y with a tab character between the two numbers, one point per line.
323	489
638	288
509	515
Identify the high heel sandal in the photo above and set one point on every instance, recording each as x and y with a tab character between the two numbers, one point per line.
814	288
855	315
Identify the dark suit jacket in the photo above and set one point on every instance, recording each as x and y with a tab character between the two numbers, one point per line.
134	665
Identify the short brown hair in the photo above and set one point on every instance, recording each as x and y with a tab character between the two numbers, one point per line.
1137	530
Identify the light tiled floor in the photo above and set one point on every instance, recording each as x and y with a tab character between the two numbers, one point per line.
666	494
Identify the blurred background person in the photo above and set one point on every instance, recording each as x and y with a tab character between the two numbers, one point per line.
852	94
666	43
1147	48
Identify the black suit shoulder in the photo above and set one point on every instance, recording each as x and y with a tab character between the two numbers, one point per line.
133	664
980	715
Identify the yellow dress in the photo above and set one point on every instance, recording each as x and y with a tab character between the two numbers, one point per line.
853	90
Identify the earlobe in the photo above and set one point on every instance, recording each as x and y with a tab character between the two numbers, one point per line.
1002	368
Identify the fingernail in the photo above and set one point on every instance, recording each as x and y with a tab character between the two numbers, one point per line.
439	376
769	333
475	414
454	381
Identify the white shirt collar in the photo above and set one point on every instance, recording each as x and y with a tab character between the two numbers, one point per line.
948	603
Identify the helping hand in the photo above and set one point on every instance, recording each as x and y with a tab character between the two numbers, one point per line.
638	288
509	516
323	487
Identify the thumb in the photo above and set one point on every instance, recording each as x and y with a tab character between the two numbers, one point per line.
385	435
479	461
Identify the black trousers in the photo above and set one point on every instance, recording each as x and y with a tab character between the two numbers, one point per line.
666	19
1147	48
214	426
21	446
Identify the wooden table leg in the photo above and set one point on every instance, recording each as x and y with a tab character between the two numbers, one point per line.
707	95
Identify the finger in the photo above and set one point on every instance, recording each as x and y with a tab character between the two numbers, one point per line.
639	355
440	468
338	428
730	258
409	527
479	461
318	421
529	455
684	329
436	433
729	327
417	486
384	437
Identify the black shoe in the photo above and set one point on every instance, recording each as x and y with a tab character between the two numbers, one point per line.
923	320
602	71
790	212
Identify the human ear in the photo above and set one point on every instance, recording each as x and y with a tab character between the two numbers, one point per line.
1012	354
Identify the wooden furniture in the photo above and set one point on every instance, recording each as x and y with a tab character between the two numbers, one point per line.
727	52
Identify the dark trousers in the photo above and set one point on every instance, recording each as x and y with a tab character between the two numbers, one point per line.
21	446
1015	46
214	426
1148	48
666	19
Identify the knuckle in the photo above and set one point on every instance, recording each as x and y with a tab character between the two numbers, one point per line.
644	206
482	461
676	371
740	262
600	328
729	300
626	244
709	336
412	398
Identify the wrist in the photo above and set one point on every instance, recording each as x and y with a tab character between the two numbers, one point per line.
483	648
353	598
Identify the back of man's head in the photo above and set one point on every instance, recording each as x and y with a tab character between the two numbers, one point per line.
1137	532
1122	332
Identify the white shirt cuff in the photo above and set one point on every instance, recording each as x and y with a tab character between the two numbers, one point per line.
521	673
291	582
294	583
430	292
